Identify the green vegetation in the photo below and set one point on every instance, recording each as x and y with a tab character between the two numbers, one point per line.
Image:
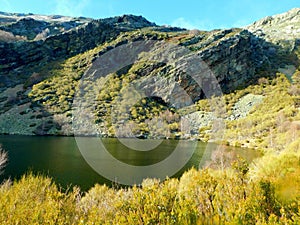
54	86
57	91
263	124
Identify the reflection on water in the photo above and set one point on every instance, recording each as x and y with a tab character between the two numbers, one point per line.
116	162
60	158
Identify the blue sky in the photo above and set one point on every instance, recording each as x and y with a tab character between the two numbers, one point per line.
200	14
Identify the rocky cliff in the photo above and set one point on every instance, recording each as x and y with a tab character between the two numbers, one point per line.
43	60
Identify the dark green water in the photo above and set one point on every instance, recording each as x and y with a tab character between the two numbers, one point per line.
61	159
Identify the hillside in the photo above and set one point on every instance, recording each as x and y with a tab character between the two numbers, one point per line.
48	61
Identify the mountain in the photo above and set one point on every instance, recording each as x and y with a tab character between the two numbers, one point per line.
45	59
33	40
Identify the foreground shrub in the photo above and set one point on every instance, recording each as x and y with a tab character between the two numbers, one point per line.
208	196
36	200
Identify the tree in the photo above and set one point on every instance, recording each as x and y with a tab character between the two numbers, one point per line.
221	158
3	159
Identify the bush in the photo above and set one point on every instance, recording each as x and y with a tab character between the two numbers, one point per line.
208	196
36	200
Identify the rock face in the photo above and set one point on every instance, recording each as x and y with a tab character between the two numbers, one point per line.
236	59
43	58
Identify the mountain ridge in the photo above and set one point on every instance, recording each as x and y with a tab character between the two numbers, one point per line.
288	21
63	44
39	77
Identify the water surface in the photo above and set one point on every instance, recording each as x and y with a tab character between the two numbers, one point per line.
61	159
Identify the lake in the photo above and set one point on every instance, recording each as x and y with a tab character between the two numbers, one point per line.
74	161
